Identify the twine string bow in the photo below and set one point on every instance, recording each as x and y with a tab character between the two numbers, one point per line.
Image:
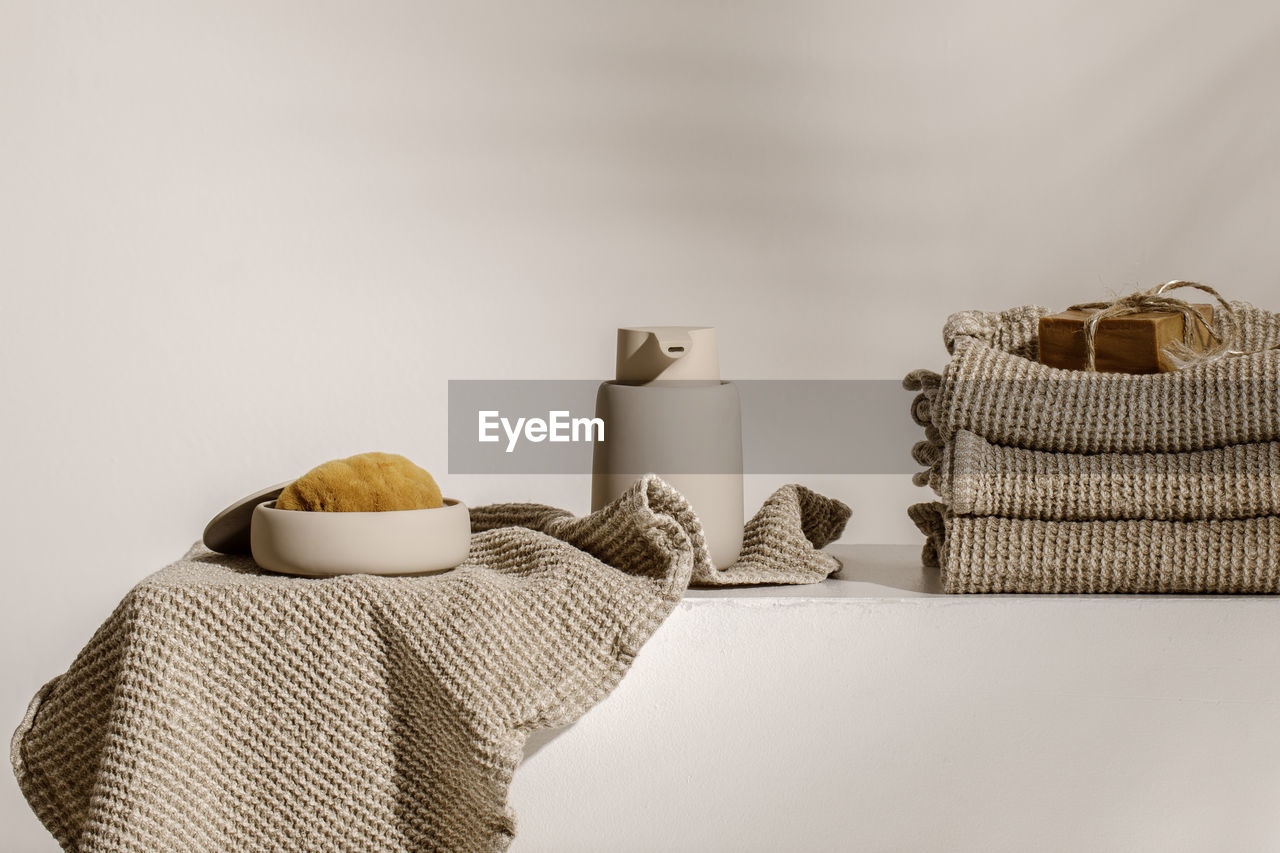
1182	353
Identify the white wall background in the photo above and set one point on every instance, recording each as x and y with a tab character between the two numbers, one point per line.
241	238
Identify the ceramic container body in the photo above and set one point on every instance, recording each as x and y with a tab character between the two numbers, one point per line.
398	542
688	433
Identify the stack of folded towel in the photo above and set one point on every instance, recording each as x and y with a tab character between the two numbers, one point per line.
1065	481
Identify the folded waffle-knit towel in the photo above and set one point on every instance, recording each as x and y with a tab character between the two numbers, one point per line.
975	477
994	387
992	554
1065	481
224	708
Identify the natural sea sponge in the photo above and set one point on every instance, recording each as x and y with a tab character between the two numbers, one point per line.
366	482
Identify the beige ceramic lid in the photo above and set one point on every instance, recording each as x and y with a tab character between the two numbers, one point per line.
667	353
228	532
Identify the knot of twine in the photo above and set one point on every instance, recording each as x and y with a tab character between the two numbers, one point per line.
1182	353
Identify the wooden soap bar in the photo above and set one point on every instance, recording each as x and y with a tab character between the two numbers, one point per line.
1130	344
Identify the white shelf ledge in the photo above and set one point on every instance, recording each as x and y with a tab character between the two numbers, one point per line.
894	571
870	712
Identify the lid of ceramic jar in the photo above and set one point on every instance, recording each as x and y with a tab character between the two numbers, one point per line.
228	531
667	353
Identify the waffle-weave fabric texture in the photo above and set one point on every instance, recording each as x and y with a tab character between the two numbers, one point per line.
1065	481
975	477
993	554
994	387
224	708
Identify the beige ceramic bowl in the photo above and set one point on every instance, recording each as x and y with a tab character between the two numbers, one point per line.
396	542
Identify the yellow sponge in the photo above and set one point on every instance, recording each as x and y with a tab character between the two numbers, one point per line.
366	482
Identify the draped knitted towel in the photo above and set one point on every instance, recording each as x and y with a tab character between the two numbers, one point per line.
1068	481
224	708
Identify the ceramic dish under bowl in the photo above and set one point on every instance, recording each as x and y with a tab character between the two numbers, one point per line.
395	542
